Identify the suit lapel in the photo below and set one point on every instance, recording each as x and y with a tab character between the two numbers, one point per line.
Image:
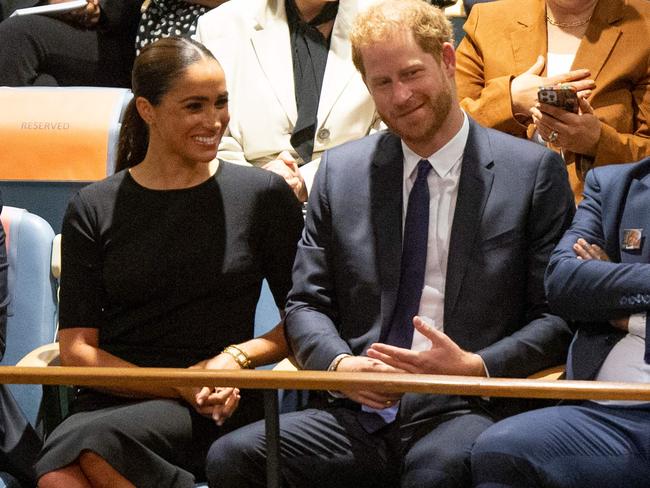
474	188
612	215
600	38
386	206
530	40
339	69
613	205
273	50
636	216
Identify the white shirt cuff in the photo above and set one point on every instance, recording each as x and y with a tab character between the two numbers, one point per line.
332	367
636	324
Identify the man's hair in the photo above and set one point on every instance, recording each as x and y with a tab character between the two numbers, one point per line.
428	24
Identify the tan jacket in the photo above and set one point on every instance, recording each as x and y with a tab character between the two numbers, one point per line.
504	39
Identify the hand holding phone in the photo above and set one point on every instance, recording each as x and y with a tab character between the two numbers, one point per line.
563	95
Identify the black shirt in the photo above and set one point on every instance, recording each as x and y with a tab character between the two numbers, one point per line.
309	50
171	277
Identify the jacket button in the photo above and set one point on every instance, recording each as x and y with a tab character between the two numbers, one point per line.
323	134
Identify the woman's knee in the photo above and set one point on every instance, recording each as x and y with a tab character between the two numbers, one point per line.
17	30
100	472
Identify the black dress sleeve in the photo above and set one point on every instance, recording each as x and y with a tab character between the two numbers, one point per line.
80	299
284	223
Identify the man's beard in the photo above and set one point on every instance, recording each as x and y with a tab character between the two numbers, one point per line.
440	107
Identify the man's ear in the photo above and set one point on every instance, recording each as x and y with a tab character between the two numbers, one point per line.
145	109
449	58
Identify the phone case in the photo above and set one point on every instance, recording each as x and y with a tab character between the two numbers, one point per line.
564	97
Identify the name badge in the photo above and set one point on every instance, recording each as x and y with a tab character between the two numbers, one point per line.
632	239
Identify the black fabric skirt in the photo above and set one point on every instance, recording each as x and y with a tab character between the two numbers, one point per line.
156	443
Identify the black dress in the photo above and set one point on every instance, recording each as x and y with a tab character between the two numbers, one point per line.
169	278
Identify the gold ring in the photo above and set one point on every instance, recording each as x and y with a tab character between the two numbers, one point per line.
553	136
388	403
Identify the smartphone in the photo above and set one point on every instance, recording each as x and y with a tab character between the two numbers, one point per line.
563	96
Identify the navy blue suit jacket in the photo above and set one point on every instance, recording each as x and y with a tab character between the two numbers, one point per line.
592	292
513	205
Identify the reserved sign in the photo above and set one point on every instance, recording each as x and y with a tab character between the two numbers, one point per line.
59	134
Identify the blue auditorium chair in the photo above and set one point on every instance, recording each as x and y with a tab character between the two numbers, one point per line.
31	320
31	315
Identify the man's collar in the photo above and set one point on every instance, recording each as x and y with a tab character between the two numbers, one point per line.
445	158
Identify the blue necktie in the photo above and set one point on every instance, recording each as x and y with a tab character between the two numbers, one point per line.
411	282
414	259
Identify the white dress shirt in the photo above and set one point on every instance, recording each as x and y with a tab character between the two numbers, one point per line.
625	361
443	192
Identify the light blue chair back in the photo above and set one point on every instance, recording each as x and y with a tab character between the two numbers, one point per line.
8	481
267	315
31	315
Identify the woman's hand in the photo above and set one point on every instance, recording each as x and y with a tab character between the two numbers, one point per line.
523	88
285	165
220	401
578	133
189	396
86	17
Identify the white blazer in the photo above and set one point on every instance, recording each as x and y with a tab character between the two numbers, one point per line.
250	38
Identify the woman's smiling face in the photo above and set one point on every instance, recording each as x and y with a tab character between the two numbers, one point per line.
192	116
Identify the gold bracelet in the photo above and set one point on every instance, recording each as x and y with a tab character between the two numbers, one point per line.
238	355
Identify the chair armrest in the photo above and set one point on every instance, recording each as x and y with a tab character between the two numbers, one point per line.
46	355
287	364
549	374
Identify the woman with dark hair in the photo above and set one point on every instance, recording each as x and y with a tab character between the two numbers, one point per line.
162	265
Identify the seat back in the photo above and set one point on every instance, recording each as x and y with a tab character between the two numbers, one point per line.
31	315
267	315
60	134
55	140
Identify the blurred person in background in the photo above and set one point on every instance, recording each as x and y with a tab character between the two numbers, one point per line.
512	47
293	87
167	18
90	46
